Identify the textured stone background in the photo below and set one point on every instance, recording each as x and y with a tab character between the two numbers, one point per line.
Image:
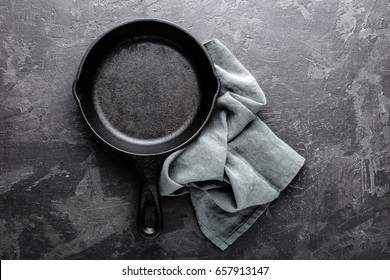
324	65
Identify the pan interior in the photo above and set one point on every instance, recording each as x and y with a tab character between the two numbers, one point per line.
146	91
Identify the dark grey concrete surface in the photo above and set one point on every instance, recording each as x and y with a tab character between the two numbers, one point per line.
324	66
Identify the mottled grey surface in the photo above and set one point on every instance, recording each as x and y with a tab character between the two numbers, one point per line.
324	65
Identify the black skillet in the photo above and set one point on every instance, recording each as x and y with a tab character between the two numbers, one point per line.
146	88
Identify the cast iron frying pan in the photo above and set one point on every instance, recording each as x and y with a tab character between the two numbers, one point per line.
146	88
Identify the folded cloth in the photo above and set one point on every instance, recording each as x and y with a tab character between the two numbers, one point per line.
237	165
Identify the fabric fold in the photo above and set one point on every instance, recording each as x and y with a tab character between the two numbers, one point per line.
237	165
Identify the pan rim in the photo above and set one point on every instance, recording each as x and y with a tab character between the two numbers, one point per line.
159	21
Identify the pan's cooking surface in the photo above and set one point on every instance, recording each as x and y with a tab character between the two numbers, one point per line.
146	90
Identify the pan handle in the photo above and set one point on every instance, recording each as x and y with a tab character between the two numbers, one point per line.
149	216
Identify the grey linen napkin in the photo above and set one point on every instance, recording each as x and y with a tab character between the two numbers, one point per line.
237	165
